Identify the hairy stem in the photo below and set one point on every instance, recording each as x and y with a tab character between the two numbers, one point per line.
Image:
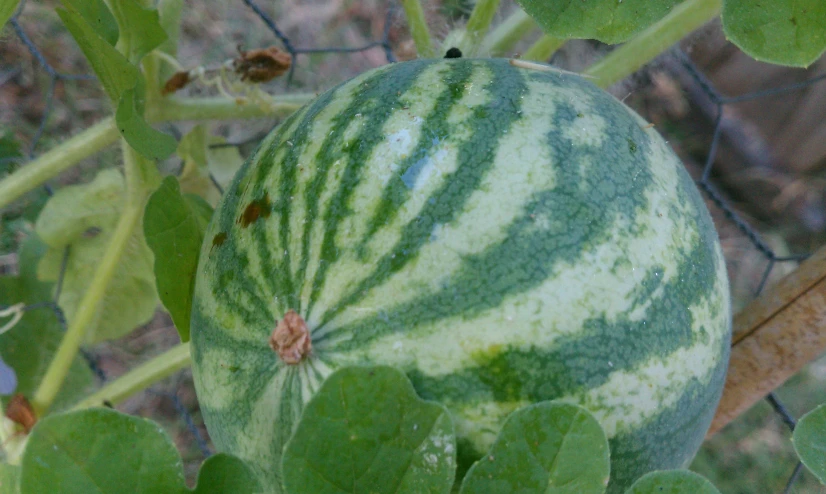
544	47
478	25
139	378
57	159
512	30
627	59
221	108
418	27
104	133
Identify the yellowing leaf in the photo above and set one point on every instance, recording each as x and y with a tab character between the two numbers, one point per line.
83	218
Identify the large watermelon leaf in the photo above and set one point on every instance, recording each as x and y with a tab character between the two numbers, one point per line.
608	21
548	447
787	32
366	430
83	217
810	441
672	482
174	226
107	452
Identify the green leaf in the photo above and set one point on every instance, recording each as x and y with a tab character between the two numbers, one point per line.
548	447
123	83
140	29
367	431
29	346
7	9
98	16
140	135
609	21
672	482
84	217
113	70
809	440
103	451
9	477
225	474
100	451
786	32
174	227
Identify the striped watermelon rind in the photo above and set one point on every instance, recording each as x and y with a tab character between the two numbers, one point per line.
503	235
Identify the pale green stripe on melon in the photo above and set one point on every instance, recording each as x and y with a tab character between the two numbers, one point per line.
613	269
212	302
401	133
300	218
373	98
629	399
438	166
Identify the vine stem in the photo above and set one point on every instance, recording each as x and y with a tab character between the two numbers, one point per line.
418	27
505	36
477	25
627	59
104	133
139	378
57	159
544	47
129	219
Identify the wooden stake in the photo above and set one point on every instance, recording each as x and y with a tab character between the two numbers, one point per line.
775	336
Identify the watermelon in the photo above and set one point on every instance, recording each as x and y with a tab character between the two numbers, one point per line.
505	235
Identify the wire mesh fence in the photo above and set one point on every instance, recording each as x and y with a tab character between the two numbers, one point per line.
175	394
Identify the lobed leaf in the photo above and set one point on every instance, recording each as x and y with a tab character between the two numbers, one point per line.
107	452
174	226
672	482
548	447
786	32
83	218
608	21
365	430
809	440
